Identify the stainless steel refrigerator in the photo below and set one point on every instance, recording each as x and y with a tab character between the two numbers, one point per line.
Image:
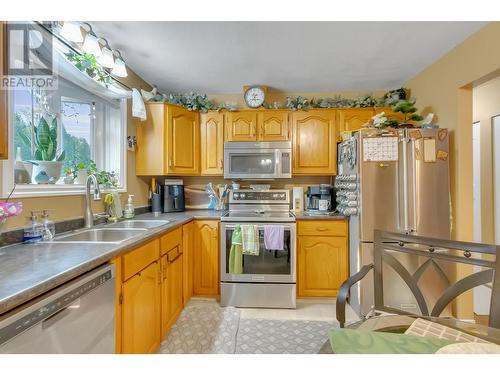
393	180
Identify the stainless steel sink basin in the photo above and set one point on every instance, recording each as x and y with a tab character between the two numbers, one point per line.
105	235
147	224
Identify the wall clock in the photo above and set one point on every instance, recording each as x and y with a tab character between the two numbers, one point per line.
255	96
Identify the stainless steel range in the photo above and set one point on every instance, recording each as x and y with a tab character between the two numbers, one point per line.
268	279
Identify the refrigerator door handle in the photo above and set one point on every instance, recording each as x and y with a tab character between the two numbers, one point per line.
414	225
404	182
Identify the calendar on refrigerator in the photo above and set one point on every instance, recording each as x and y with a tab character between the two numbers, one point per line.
380	149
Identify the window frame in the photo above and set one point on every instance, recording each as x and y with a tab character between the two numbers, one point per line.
50	190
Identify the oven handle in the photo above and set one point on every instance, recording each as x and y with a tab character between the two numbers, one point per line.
287	226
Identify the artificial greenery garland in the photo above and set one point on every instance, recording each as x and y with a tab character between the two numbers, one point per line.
88	64
197	102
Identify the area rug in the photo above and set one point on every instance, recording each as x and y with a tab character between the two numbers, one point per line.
262	336
211	329
203	329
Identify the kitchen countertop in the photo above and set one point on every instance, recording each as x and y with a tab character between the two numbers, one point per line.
29	270
303	216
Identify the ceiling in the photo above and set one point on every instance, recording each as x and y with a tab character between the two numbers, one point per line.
221	57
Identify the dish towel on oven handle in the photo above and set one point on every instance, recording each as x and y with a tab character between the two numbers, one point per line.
274	237
236	252
250	239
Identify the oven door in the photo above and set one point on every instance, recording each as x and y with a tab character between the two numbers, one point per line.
269	266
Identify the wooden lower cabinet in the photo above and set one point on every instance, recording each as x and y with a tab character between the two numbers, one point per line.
141	311
206	258
322	264
172	301
156	280
187	260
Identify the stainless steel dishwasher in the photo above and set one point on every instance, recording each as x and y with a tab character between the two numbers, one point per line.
77	317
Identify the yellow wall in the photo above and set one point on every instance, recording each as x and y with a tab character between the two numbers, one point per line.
486	104
69	207
445	88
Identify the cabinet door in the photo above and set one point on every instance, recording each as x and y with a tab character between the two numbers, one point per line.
150	158
187	257
171	286
322	265
141	311
241	126
314	142
212	144
273	126
183	141
354	119
4	123
206	258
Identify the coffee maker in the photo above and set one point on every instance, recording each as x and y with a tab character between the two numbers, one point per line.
320	199
173	196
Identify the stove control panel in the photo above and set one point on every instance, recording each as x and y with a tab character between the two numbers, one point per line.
276	196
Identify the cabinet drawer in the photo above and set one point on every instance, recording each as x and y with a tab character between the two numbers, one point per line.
140	258
170	240
322	228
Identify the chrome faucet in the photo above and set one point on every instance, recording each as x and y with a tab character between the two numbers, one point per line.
88	215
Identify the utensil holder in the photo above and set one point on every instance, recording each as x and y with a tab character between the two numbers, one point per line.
156	203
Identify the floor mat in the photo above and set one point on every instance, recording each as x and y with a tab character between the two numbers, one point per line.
203	329
261	336
211	329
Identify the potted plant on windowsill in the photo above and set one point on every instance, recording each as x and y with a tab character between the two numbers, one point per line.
47	163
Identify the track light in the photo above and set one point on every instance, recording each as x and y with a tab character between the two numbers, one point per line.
72	31
91	43
119	70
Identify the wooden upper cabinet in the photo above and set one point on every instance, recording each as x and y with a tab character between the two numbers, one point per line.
314	142
168	142
183	141
241	126
273	126
4	122
354	118
212	143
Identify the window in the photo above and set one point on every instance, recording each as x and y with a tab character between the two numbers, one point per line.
79	126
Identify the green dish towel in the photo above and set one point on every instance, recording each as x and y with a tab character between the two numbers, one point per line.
250	239
236	252
352	341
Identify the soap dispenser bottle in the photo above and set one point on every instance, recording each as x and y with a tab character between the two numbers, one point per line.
34	232
129	211
49	227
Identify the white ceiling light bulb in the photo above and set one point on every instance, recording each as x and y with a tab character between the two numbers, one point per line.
72	31
106	59
91	43
119	70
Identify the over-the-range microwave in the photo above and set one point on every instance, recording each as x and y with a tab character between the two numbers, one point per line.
257	160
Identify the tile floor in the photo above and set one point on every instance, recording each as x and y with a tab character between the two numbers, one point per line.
307	309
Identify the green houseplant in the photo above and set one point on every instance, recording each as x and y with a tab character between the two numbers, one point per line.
408	109
47	163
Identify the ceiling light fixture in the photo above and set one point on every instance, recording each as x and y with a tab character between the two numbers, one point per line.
119	70
72	31
91	43
106	59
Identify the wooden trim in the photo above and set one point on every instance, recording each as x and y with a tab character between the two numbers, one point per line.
4	104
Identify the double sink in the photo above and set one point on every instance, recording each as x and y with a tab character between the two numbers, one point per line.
111	233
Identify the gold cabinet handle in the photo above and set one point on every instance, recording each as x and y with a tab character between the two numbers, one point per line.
170	162
221	164
322	229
